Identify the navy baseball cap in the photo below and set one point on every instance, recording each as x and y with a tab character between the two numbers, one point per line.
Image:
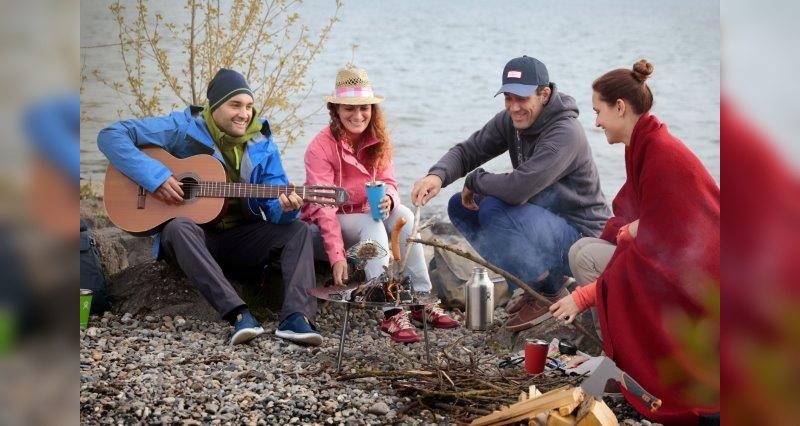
521	76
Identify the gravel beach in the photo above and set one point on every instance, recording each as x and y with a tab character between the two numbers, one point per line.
171	370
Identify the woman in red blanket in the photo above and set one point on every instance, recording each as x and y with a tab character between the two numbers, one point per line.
661	280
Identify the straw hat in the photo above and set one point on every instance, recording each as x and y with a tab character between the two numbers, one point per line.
353	88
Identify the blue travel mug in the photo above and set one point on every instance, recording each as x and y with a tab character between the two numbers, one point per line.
375	191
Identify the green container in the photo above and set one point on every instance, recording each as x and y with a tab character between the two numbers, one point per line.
86	306
7	330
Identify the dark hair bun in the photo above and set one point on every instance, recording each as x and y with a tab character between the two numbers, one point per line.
642	69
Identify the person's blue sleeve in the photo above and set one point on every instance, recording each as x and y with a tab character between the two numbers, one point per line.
121	141
274	174
54	127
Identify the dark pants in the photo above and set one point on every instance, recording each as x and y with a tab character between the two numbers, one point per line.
200	252
527	240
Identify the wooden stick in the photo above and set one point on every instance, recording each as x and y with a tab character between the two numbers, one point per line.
518	282
408	244
448	378
387	374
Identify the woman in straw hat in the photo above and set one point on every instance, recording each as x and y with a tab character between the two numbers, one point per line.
353	150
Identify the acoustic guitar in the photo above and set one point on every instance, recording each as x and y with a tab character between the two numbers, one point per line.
132	209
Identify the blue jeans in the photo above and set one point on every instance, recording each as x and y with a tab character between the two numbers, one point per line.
525	240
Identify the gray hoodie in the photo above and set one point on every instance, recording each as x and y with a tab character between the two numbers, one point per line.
553	165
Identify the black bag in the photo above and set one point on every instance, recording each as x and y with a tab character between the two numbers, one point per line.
92	276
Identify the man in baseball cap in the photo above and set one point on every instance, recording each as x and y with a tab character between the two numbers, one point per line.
525	220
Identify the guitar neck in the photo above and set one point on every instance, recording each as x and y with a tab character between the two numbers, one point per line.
245	190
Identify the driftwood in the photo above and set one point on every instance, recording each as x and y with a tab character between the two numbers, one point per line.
464	383
518	282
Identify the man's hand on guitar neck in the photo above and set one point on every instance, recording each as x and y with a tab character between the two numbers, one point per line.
170	191
292	202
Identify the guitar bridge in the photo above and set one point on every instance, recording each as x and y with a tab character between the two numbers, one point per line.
140	198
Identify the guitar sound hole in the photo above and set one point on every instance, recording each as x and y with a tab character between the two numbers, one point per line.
190	187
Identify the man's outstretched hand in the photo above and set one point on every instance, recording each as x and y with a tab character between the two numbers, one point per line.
425	189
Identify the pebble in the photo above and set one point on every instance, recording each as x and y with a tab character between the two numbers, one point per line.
379	408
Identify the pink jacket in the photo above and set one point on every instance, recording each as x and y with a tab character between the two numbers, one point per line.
329	162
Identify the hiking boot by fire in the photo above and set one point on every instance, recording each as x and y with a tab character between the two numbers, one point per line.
517	301
533	312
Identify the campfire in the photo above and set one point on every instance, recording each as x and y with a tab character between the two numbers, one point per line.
391	286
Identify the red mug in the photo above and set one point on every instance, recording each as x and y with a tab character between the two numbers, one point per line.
535	355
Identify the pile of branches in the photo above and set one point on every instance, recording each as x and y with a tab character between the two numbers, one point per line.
461	382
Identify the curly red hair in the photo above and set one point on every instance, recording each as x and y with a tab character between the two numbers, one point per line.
378	155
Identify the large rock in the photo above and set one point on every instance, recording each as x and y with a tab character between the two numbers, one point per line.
449	272
157	288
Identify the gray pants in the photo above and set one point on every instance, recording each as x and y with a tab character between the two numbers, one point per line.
199	252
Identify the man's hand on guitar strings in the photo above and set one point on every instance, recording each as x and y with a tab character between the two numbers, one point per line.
292	202
170	191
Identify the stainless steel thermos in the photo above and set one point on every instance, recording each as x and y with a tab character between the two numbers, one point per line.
479	300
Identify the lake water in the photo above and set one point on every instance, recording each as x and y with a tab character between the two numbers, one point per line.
439	64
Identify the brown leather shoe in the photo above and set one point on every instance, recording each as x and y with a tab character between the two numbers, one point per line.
520	297
517	301
533	312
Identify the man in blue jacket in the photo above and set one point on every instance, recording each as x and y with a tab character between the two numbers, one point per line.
227	128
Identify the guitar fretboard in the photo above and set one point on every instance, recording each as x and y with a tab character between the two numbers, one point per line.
245	190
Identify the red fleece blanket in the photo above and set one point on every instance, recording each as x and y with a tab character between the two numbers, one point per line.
656	289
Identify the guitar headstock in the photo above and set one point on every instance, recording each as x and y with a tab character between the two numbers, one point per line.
325	195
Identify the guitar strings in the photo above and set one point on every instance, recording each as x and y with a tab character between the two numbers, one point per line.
312	191
254	186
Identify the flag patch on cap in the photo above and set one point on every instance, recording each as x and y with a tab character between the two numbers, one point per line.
514	74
